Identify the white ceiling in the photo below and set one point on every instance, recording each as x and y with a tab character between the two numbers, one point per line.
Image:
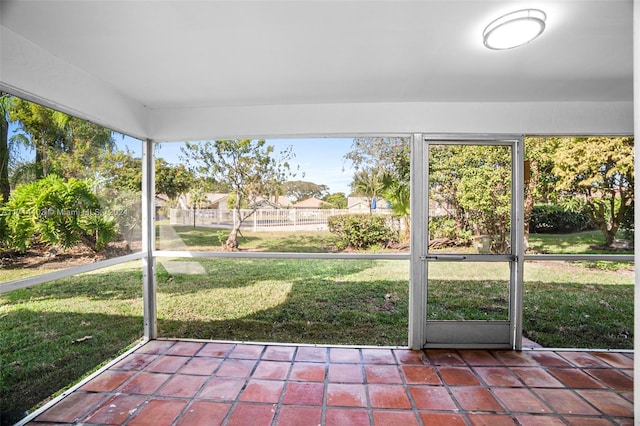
208	57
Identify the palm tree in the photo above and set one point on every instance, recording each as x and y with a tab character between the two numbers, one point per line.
367	183
63	144
397	192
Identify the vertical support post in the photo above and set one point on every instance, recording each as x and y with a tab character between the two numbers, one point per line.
148	241
419	242
517	241
636	191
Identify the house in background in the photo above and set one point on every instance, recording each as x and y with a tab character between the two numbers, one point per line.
211	200
275	202
366	204
311	203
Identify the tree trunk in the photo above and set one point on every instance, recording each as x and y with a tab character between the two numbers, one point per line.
609	236
5	188
407	228
232	240
40	170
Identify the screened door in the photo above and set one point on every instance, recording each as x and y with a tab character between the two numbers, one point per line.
466	242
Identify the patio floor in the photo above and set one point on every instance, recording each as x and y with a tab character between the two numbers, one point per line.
191	383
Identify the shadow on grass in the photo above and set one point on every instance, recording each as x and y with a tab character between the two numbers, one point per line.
234	273
112	285
41	353
293	301
587	242
579	315
363	317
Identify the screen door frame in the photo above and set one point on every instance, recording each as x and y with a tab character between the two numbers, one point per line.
424	333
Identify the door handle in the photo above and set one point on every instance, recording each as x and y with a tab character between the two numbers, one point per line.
442	257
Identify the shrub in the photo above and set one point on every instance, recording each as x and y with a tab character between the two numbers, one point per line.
103	227
56	212
446	227
361	231
551	218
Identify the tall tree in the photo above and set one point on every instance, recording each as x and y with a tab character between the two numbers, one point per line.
172	180
42	130
383	169
84	147
600	170
64	145
5	105
250	167
337	200
475	182
381	155
123	171
540	182
298	190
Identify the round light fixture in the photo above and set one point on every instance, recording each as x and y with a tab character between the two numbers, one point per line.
514	29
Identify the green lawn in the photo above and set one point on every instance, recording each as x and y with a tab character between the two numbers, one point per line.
7	275
588	242
44	329
41	328
303	301
206	238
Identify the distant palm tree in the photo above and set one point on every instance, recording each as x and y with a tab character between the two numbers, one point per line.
367	183
197	197
398	194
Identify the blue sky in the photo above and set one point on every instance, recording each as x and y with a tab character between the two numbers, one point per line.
321	160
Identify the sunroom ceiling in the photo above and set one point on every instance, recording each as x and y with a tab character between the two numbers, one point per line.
185	69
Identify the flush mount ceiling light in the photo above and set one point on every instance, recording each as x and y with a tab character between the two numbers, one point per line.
514	29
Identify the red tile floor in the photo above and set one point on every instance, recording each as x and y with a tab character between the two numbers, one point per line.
170	382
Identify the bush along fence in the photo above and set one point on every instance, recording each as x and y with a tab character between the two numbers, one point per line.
261	219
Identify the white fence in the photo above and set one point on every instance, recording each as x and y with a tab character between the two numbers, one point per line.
259	220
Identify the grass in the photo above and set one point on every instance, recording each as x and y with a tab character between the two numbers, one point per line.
7	275
588	242
303	301
41	326
206	238
286	300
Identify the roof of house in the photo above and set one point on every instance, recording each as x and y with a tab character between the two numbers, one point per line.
279	201
310	203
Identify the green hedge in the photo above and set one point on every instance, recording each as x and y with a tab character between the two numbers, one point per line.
554	219
361	231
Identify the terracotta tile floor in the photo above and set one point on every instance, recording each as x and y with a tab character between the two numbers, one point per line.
171	382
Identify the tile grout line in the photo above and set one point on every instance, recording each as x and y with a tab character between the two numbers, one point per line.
236	401
285	387
459	408
192	400
405	385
